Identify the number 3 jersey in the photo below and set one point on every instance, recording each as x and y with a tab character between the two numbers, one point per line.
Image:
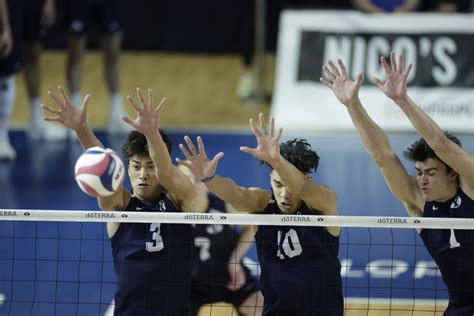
300	270
152	263
213	246
453	251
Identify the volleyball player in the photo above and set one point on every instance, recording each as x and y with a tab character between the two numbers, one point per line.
152	261
300	269
444	182
10	64
219	274
38	16
104	15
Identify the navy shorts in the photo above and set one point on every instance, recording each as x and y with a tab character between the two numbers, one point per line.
81	15
12	63
203	293
32	29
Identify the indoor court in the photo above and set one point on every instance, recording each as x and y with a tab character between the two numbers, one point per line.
66	268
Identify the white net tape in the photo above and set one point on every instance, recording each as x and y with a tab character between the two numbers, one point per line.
235	219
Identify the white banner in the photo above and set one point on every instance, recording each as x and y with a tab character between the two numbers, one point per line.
440	47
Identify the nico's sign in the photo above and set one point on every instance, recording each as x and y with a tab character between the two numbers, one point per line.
438	45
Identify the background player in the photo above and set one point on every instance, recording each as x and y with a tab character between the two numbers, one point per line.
219	274
80	16
10	64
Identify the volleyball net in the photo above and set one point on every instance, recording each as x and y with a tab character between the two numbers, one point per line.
60	262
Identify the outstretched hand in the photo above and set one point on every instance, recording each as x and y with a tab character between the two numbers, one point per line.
66	113
395	86
345	90
197	161
148	119
268	144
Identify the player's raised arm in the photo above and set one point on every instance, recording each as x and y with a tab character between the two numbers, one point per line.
403	186
74	118
240	198
148	123
395	87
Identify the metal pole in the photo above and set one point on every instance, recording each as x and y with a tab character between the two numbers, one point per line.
259	44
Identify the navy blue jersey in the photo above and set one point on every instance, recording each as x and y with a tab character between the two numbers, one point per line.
453	251
213	246
301	273
152	263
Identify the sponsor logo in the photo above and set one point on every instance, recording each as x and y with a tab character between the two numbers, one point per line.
385	220
435	208
100	215
8	213
199	217
296	219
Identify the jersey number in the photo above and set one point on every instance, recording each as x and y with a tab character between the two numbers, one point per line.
157	241
453	242
288	244
204	245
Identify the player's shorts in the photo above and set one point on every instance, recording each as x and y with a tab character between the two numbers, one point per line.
202	293
81	15
32	29
12	63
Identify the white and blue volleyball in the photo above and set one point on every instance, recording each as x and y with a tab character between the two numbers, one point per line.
99	171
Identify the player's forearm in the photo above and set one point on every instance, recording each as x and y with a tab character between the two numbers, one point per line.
373	137
243	245
159	154
87	138
228	191
291	176
424	124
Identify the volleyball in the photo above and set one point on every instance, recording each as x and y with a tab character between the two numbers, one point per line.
99	171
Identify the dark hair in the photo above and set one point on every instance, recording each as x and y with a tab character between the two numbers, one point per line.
136	144
420	150
298	152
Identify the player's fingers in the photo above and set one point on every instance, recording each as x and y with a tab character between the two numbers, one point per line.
190	144
55	98
150	97
50	109
51	119
140	97
263	124
407	72
254	128
393	61
280	131
342	67
217	157
201	148
247	150
185	152
379	83
128	120
385	64
359	79
326	82
64	95
133	104
158	108
329	73
334	69
401	62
